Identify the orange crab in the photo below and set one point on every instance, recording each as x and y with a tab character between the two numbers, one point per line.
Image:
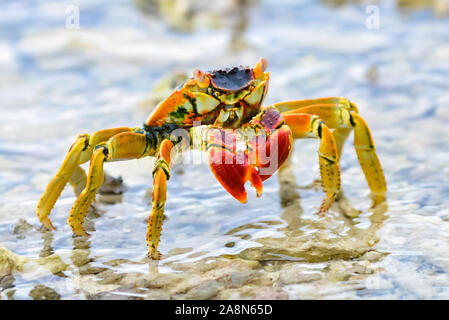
244	142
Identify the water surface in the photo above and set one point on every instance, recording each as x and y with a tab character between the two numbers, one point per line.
57	83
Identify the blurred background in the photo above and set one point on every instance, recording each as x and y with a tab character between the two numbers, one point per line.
76	67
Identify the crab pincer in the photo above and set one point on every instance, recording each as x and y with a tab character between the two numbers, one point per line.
253	153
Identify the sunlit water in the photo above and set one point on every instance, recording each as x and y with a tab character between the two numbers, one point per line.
57	83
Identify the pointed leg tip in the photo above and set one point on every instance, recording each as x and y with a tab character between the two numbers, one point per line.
79	231
154	255
46	222
325	206
84	234
377	200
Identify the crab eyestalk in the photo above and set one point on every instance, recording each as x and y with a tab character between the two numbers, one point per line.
201	80
253	153
260	68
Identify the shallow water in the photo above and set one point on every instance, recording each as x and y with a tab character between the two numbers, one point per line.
57	83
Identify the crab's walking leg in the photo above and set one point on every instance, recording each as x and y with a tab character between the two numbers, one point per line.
303	106
78	180
161	174
366	153
123	146
306	125
71	172
342	118
57	184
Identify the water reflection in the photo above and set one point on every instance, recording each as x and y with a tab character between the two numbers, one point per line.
191	274
317	239
47	243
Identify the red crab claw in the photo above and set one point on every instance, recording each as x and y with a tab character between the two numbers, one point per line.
264	153
231	167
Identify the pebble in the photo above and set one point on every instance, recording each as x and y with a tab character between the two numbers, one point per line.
41	292
206	290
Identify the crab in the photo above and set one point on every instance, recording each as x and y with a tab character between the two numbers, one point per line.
219	112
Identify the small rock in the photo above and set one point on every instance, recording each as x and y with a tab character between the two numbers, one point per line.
80	257
10	262
112	186
116	262
298	277
41	292
344	270
7	282
121	293
372	256
88	269
21	227
157	294
271	293
110	277
230	244
206	290
134	280
53	263
292	273
238	279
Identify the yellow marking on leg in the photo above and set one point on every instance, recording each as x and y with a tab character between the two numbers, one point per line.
161	174
366	153
303	125
157	213
70	171
94	181
329	164
123	146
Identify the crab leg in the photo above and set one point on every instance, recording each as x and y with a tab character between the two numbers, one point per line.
342	118
71	172
305	126
301	106
122	146
57	184
161	174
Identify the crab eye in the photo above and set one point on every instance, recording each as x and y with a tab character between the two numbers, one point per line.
198	75
260	67
200	78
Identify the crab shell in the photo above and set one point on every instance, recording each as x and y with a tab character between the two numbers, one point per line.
226	98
